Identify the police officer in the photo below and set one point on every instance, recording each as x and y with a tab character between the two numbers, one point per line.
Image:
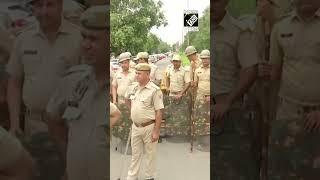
80	102
202	102
121	81
294	57
195	62
143	57
38	62
234	71
178	82
146	102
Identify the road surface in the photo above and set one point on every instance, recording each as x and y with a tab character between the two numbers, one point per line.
175	162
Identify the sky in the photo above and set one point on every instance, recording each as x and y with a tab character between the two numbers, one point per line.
173	11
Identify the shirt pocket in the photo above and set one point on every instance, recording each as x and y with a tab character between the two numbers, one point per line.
224	55
287	43
31	64
146	101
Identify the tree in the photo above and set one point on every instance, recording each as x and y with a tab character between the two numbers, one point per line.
199	39
131	21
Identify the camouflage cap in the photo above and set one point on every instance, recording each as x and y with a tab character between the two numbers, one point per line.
143	67
176	57
190	50
143	55
96	17
124	56
205	54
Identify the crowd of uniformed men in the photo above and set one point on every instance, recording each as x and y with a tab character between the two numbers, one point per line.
266	117
265	101
53	94
175	101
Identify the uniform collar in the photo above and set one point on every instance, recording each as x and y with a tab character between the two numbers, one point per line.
148	85
65	28
180	68
225	22
204	67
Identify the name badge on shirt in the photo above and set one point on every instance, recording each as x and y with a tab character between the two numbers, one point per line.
30	52
286	35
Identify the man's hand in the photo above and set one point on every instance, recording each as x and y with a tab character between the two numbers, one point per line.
192	84
15	131
219	110
178	96
155	135
208	99
264	70
312	121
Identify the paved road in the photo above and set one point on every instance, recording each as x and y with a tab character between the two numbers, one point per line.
175	162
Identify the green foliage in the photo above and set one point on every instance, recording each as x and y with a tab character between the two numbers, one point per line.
237	8
131	21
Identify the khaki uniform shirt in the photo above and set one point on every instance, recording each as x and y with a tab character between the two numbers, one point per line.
122	82
295	45
202	77
198	63
144	101
178	79
155	74
41	63
234	49
10	149
88	123
280	8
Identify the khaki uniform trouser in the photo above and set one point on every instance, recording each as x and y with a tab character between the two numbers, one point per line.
141	138
35	122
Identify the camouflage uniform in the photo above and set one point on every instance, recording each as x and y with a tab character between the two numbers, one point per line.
232	144
294	151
